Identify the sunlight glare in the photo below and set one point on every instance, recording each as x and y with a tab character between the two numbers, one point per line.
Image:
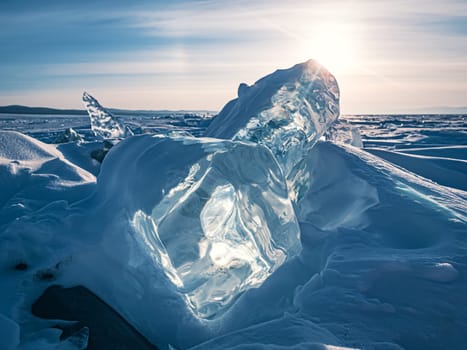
332	44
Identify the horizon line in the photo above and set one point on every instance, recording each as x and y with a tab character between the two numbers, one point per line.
448	110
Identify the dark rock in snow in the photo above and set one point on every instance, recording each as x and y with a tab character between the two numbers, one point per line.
21	266
107	328
100	153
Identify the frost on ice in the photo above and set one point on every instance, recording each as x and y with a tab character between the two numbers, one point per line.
287	111
215	214
103	123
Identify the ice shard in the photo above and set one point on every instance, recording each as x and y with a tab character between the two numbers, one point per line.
214	214
103	124
287	111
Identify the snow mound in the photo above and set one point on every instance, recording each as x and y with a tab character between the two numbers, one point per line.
9	333
15	146
103	123
33	174
336	198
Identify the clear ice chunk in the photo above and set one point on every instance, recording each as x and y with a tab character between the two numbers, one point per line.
214	214
69	135
345	133
103	124
287	111
217	215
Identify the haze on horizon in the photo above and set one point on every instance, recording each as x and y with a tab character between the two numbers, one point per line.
388	56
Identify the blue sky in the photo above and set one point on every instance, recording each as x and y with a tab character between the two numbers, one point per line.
388	55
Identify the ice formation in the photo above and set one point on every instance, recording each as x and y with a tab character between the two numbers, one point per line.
216	224
103	123
226	224
69	135
344	133
221	218
287	111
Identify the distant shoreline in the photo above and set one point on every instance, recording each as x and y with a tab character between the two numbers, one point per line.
17	109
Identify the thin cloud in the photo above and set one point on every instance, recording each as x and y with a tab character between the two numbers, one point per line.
148	46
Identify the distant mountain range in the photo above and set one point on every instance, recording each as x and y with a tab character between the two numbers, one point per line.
17	109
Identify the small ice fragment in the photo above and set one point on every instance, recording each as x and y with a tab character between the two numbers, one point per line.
344	133
69	135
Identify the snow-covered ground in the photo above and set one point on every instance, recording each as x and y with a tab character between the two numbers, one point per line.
380	210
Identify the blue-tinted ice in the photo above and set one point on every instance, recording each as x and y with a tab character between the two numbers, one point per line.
103	123
287	111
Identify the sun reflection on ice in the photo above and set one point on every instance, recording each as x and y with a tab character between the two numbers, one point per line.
224	228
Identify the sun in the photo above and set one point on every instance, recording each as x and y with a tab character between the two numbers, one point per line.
332	44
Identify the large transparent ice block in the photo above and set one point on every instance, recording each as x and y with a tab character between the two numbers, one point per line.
214	214
287	111
103	123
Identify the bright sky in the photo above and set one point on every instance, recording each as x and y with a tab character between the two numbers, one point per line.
388	55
